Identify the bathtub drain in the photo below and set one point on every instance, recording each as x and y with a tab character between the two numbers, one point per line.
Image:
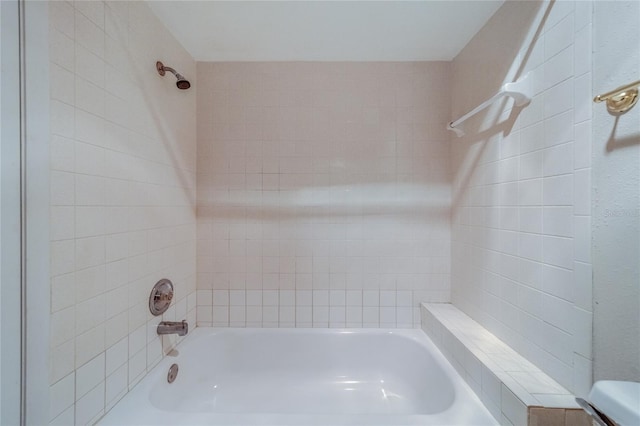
173	373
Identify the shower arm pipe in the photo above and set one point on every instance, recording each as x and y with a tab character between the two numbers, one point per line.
171	70
521	91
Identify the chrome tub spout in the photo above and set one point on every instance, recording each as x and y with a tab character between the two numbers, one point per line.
172	327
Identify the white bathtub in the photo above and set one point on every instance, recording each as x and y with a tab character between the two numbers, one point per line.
303	377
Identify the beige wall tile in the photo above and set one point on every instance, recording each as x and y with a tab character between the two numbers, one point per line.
323	176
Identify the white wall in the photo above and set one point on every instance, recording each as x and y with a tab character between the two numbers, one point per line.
122	200
1	213
10	215
521	193
323	193
616	195
36	241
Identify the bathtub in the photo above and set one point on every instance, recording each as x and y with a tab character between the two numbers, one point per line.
302	377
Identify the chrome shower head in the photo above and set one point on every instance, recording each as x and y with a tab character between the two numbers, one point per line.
182	82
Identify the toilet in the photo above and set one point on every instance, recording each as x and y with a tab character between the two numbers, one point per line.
612	402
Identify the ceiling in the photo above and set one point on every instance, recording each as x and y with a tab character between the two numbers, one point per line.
324	30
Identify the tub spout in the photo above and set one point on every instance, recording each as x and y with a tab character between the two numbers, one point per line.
171	327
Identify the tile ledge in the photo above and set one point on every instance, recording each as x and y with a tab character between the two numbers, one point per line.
451	329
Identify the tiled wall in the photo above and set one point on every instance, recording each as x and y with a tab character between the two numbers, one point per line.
323	193
521	225
122	200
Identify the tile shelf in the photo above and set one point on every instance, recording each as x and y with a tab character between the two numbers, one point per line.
514	390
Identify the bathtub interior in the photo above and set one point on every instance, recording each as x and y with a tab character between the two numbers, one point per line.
309	377
263	371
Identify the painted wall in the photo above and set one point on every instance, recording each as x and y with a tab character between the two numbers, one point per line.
616	195
521	209
36	239
323	193
1	218
10	215
1	201
122	200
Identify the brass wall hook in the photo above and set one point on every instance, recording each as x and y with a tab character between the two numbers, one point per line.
620	100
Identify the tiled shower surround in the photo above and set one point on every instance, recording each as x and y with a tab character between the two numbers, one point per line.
323	193
122	200
521	210
313	194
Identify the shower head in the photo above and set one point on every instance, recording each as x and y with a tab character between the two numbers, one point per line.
182	82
